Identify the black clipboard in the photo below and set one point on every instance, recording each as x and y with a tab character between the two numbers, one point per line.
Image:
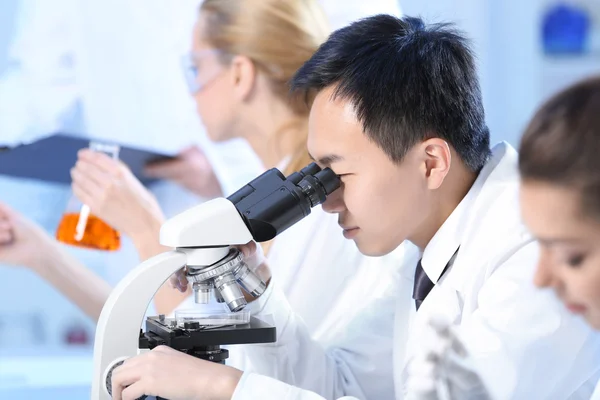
50	159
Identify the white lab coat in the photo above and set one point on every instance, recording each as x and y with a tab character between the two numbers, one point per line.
324	277
525	343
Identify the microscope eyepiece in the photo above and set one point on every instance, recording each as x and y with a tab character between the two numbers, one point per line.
329	180
310	169
318	186
272	203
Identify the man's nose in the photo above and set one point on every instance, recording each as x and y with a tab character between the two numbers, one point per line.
334	202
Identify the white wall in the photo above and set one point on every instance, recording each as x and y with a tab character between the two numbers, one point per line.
7	10
514	74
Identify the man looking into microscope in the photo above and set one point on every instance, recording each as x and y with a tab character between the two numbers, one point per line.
396	112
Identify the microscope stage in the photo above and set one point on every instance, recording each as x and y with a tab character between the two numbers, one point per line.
161	331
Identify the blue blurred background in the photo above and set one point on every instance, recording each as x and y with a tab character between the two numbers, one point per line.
526	51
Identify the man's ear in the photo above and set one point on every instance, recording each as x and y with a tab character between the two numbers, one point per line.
243	74
437	160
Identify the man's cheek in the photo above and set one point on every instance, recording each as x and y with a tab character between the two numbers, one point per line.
363	211
352	201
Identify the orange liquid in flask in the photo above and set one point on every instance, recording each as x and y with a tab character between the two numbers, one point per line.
96	235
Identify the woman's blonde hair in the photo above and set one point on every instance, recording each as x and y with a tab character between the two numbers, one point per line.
278	36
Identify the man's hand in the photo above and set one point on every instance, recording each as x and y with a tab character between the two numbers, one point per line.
173	375
192	170
443	368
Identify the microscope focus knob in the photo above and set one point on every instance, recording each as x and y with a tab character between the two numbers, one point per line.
312	189
109	379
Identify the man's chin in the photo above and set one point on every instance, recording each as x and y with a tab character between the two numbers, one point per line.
372	249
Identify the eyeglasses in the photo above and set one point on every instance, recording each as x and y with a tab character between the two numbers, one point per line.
191	70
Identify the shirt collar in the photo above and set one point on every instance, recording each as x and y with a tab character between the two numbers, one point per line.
442	248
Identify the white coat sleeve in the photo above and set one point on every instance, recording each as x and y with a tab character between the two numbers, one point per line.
359	364
518	329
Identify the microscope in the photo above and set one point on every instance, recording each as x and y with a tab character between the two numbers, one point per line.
203	239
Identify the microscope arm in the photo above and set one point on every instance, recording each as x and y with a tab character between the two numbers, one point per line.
124	312
201	235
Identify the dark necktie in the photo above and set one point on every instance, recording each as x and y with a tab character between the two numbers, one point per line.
422	285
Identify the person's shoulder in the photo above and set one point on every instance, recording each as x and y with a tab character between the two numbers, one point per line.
494	223
496	207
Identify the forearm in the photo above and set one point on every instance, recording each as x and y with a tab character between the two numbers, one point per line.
167	299
74	280
145	233
349	368
147	244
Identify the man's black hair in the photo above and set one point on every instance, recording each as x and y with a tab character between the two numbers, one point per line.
407	81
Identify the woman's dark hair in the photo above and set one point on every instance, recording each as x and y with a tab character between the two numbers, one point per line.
562	143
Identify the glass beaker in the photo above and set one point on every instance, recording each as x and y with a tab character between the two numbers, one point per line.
79	227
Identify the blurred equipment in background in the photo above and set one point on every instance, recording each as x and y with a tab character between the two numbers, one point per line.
566	29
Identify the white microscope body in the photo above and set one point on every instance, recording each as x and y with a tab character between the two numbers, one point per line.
202	235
